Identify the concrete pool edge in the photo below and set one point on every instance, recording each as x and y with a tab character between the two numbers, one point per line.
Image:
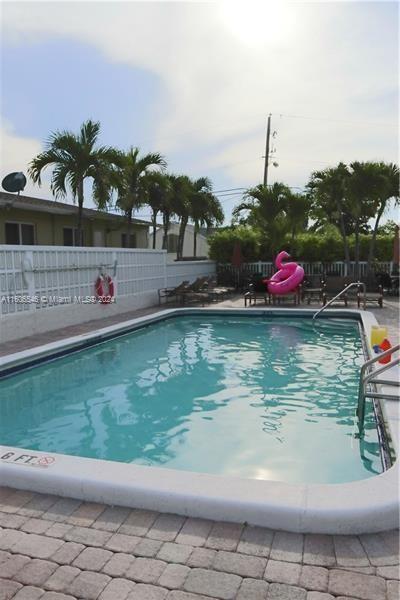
362	506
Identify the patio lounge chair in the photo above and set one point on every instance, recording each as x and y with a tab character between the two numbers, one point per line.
374	292
293	297
196	291
256	291
215	291
168	294
312	288
332	286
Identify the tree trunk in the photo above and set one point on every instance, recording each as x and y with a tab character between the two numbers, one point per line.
181	237
154	221
166	218
344	238
371	251
128	229
80	211
357	251
195	239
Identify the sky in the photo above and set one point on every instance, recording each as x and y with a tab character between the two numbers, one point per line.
195	81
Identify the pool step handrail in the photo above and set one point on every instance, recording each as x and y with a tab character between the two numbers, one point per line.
385	382
332	300
379	396
371	377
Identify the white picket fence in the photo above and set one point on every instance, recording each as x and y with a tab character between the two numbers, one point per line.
312	268
45	287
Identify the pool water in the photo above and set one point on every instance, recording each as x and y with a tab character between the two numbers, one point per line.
254	397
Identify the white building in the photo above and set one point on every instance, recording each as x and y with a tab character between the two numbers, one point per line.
188	242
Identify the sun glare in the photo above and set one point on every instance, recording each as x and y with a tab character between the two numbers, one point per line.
257	22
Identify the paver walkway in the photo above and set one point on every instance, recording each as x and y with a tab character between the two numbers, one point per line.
62	549
55	548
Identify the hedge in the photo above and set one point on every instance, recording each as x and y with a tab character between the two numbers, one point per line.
307	247
222	244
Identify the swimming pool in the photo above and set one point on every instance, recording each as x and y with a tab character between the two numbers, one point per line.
261	398
247	398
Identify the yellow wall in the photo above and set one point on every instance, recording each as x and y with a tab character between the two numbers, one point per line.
49	228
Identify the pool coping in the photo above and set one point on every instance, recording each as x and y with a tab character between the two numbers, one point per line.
368	505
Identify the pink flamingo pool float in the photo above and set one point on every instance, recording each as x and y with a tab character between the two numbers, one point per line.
288	278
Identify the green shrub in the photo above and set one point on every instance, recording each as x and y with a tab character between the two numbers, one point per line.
316	247
307	247
383	247
223	242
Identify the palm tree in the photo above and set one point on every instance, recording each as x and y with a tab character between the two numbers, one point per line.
206	211
388	189
265	207
297	211
328	199
130	187
74	159
157	191
362	190
181	190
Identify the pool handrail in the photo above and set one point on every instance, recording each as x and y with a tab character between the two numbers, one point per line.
352	284
369	378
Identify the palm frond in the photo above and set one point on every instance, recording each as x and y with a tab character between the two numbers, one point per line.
42	161
152	159
89	133
59	180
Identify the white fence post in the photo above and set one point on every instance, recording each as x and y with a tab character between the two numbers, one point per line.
28	277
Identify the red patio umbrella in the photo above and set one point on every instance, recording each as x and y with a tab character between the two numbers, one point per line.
237	256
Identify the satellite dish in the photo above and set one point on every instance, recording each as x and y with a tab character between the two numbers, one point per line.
14	182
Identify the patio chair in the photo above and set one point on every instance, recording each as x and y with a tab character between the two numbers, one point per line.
374	291
257	290
168	294
293	297
332	286
312	288
196	291
389	282
394	280
217	292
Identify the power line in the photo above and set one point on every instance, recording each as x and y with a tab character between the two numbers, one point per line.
377	123
306	160
229	190
230	194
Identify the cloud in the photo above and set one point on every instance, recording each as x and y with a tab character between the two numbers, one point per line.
16	153
225	66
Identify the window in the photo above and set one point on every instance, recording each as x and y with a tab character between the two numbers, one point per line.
20	233
71	238
172	243
132	240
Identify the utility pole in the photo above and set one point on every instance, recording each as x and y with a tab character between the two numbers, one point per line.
267	150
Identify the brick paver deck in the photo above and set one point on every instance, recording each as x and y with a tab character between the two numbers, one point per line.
62	549
96	552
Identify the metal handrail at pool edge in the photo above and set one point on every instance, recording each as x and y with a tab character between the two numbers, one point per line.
354	283
369	378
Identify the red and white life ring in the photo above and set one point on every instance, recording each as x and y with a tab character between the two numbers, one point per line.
104	298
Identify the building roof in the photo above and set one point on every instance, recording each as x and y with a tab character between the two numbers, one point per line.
21	202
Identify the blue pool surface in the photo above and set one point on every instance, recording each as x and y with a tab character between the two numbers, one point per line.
254	397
